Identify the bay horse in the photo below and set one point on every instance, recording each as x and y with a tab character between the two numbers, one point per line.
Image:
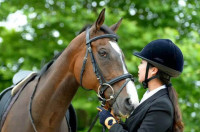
93	60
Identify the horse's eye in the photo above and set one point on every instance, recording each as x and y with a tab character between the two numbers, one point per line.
102	53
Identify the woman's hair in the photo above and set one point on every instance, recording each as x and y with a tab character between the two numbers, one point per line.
178	124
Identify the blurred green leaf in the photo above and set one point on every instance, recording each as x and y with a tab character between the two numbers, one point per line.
31	45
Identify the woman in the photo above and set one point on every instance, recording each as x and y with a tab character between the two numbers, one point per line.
158	110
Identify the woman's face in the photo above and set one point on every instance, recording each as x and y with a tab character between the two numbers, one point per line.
142	71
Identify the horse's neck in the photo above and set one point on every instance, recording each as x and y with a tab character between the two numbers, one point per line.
56	90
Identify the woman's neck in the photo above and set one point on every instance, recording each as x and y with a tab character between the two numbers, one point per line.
153	84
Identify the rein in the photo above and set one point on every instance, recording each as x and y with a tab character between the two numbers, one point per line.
32	96
30	105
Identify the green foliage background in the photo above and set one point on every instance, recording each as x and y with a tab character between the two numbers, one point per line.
52	24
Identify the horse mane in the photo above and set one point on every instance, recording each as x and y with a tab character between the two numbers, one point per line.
48	64
103	28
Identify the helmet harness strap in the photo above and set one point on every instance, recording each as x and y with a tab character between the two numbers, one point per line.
146	80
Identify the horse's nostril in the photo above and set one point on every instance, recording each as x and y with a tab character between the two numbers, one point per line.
128	101
128	104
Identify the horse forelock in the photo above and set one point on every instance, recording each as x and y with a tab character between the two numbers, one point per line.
103	28
106	29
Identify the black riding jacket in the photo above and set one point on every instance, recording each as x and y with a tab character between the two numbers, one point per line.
153	115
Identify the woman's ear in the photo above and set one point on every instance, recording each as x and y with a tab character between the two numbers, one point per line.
154	71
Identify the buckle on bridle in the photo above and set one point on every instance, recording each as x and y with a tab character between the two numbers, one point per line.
101	92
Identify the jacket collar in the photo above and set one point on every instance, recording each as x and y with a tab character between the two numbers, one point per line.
148	93
151	99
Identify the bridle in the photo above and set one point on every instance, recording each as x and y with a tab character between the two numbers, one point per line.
103	83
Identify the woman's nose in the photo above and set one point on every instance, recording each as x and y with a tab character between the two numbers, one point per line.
139	66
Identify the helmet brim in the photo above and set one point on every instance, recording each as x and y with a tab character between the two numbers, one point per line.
171	72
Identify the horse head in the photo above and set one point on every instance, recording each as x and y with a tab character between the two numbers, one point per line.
100	66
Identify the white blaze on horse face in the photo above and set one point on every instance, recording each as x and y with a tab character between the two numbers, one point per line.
132	92
130	87
116	47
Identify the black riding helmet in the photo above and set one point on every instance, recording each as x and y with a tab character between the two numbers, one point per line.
163	54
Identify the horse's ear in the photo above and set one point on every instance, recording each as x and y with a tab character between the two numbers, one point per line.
100	20
115	26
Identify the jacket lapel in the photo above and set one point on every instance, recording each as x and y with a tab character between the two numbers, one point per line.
151	99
